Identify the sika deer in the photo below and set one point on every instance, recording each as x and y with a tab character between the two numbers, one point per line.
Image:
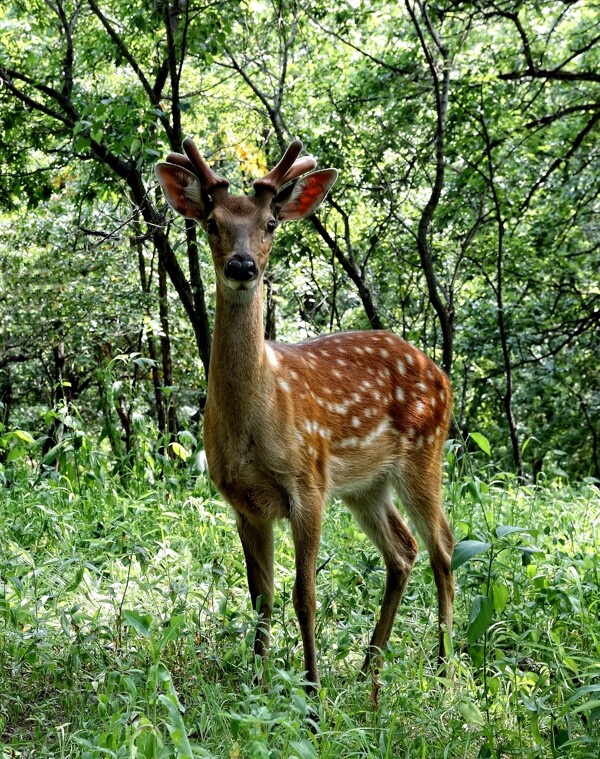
357	415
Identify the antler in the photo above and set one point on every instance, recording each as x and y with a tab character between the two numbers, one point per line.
287	169
194	162
210	180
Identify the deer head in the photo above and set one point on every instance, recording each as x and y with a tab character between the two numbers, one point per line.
241	229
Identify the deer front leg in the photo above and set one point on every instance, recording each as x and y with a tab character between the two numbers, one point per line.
257	542
306	531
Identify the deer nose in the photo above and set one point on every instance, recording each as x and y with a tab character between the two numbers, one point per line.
241	267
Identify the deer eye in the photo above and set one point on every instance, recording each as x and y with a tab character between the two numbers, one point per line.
271	226
211	227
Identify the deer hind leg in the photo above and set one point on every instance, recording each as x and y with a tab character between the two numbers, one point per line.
377	515
306	530
422	500
257	542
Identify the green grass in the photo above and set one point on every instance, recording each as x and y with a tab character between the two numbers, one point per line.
125	629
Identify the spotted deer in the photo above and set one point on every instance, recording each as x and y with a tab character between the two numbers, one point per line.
355	415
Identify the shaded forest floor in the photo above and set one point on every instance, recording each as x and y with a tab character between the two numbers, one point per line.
125	629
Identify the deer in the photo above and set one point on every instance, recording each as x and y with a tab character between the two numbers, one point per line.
359	415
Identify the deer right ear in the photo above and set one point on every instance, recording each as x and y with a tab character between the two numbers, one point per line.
183	190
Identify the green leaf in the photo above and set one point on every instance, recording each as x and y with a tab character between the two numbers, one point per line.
140	622
304	749
470	712
466	550
179	451
176	728
22	435
15	453
481	441
480	618
499	596
501	532
171	632
75	581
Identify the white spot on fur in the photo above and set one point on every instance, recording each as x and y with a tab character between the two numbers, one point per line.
419	407
422	386
356	421
399	393
338	408
271	356
400	366
382	427
283	384
410	358
384	353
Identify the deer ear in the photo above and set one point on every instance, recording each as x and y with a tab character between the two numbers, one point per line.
183	190
304	196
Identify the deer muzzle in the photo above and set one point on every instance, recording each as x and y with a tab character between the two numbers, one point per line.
241	267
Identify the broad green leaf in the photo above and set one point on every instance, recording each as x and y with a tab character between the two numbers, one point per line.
140	622
304	749
481	441
480	618
501	532
179	451
176	728
16	452
470	712
22	435
500	595
466	550
172	630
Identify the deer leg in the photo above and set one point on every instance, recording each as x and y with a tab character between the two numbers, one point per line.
306	531
381	522
424	505
257	542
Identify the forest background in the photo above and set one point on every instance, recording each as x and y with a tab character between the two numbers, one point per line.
465	219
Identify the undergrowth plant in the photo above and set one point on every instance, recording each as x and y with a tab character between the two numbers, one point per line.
126	629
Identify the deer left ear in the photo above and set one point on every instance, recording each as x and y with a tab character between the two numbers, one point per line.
305	195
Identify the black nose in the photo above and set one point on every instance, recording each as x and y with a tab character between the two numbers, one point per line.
241	267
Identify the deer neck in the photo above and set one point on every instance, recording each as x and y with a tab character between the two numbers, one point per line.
239	375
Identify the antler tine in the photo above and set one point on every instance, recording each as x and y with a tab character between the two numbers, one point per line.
285	169
181	160
209	179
